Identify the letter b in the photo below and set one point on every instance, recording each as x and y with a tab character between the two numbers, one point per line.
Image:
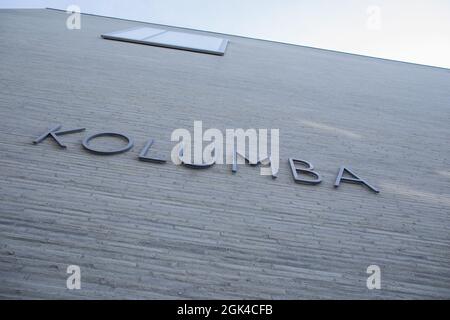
308	171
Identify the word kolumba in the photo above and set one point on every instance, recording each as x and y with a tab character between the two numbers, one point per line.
302	171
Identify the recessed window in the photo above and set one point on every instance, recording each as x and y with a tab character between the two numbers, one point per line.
171	39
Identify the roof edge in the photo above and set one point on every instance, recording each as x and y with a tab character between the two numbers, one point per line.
257	39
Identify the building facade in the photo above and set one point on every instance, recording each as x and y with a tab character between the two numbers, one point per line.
148	230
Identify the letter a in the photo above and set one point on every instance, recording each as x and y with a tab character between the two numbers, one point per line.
353	179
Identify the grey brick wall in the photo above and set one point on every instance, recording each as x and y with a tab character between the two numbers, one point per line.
142	230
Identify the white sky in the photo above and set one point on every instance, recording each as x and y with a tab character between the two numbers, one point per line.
407	30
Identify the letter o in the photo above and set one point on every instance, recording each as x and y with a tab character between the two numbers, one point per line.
88	139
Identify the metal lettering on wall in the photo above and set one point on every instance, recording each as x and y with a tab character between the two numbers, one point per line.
305	174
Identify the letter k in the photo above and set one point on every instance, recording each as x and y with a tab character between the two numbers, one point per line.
53	132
